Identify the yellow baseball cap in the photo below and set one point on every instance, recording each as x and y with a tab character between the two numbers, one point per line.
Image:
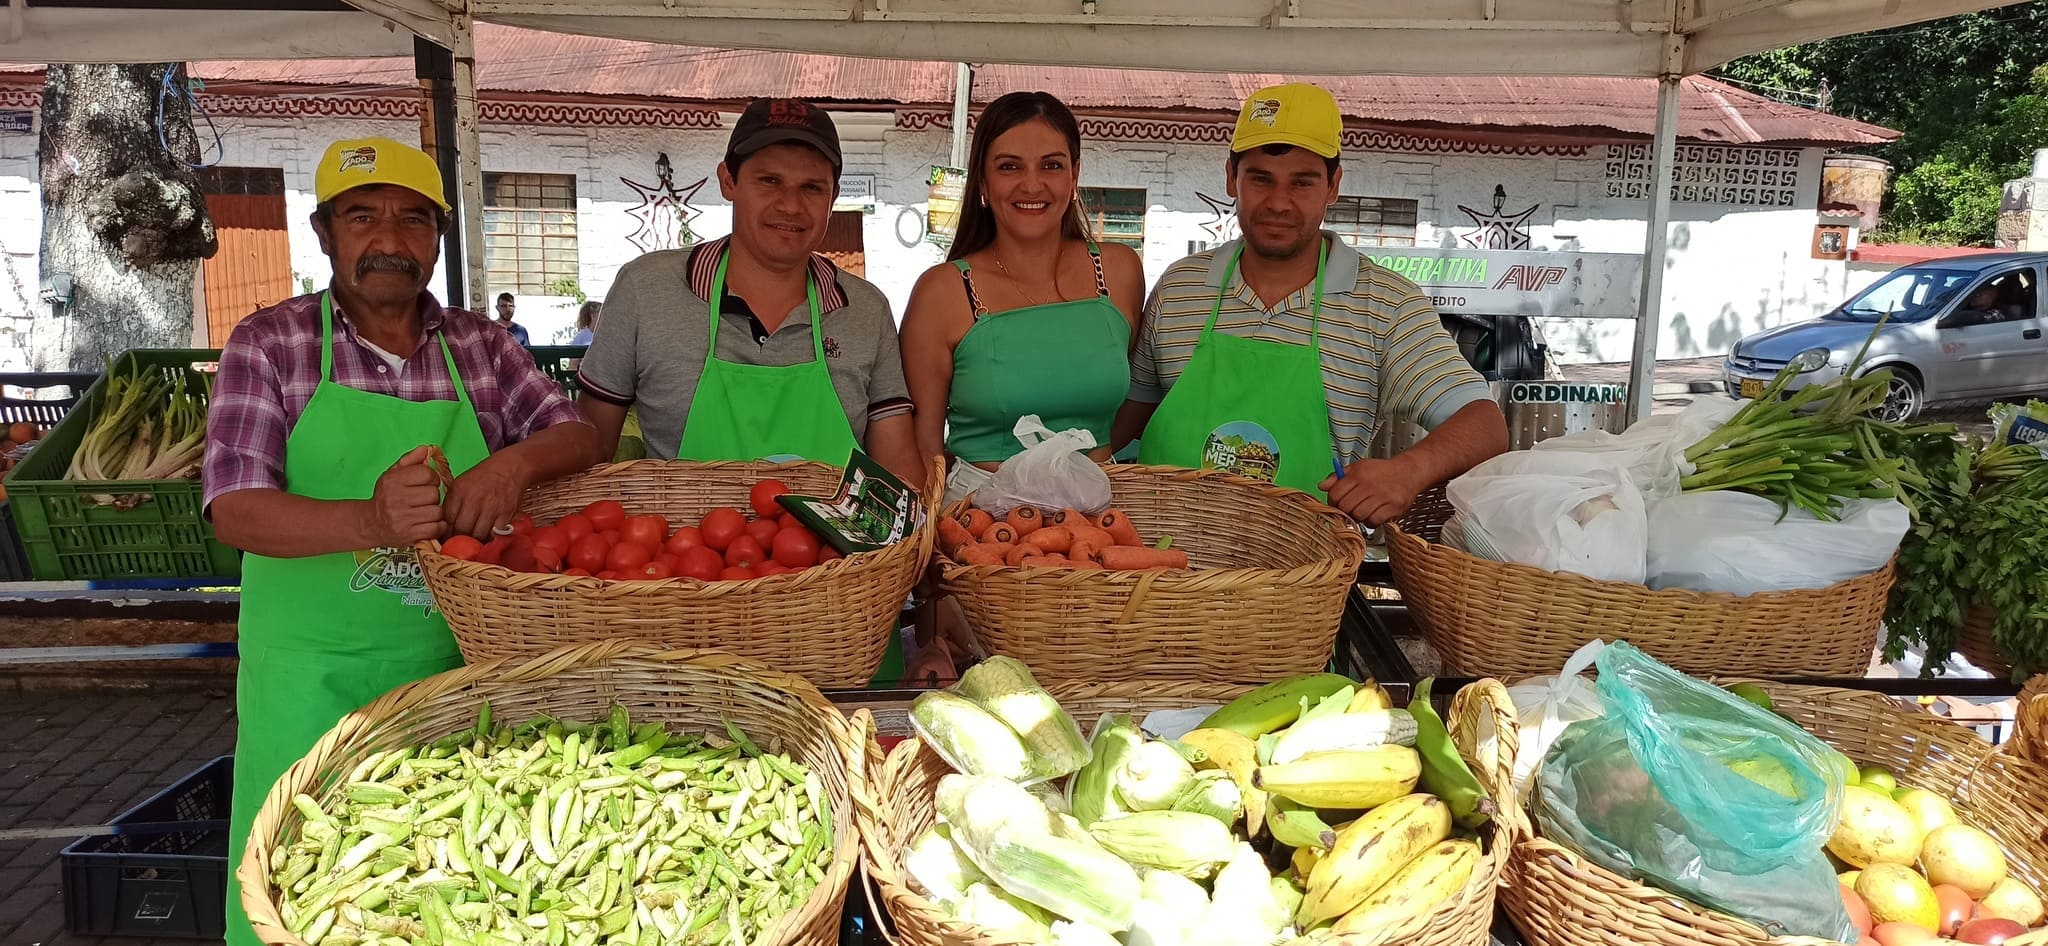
1297	114
360	162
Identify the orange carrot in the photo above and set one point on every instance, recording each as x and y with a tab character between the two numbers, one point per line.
1119	527
1046	561
1025	519
953	535
977	521
1001	533
1093	535
1127	558
1084	550
980	553
1055	539
1084	563
1071	517
1017	554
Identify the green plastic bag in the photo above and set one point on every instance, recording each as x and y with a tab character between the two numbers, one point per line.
1696	791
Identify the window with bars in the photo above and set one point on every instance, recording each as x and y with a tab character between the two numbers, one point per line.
1373	221
529	231
1115	215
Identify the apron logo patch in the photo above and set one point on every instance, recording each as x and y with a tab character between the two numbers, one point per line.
364	157
1266	112
395	571
1244	448
831	347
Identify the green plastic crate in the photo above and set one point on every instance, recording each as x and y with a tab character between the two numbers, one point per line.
558	362
70	538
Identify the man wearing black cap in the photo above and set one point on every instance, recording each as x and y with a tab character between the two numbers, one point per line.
753	346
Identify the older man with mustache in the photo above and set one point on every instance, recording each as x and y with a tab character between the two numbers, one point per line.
346	426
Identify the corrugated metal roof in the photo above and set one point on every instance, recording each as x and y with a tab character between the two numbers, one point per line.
524	61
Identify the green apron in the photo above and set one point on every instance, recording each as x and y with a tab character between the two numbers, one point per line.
324	635
1250	406
764	412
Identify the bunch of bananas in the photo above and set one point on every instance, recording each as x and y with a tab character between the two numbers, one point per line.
1368	795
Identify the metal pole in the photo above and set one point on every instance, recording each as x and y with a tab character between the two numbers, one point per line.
470	150
963	92
1650	302
435	67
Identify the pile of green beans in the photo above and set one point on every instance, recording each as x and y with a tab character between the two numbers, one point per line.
558	834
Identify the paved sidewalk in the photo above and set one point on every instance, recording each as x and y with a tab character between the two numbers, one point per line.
82	757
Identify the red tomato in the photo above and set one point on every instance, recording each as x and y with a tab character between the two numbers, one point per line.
721	526
607	575
788	520
763	531
827	553
737	574
519	554
575	525
745	552
522	524
762	498
493	551
605	514
685	539
462	547
578	573
627	557
649	531
796	548
551	537
773	567
670	559
656	570
610	537
547	558
700	563
588	553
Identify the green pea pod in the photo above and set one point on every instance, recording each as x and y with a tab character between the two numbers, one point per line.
1444	772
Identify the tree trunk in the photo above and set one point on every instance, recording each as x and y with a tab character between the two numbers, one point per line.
123	217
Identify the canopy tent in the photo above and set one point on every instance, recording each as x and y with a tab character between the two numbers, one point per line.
1665	39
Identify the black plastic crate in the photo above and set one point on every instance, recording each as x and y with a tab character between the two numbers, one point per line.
156	884
44	412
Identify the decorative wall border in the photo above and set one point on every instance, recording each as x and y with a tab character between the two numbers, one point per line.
400	107
1187	132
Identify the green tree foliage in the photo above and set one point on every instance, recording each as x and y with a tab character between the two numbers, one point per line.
1970	94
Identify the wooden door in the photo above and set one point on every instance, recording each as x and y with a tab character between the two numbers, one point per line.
843	244
253	267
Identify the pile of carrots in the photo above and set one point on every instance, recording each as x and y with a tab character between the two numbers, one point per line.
1032	538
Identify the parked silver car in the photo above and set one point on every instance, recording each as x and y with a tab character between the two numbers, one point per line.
1960	329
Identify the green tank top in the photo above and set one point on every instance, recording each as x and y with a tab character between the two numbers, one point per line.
1068	362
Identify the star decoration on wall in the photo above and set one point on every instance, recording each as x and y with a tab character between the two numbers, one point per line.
1496	230
1223	226
665	212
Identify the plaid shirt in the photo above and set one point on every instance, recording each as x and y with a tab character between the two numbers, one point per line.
271	367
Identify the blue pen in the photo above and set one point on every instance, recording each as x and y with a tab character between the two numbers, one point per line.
1337	465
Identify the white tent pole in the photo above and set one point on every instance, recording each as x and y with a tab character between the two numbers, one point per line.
1650	302
469	149
963	93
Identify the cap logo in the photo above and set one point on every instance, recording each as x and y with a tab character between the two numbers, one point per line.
1266	112
364	157
787	112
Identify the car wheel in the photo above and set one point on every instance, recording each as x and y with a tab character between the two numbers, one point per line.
1903	398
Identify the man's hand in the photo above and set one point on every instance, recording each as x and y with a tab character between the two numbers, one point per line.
487	496
405	506
1376	492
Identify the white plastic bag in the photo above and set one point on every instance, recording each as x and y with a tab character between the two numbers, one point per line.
1053	472
1724	540
1546	705
1563	512
1652	451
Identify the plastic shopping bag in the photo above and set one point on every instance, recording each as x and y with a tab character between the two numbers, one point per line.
1743	544
1653	450
1053	472
1563	512
1545	705
1698	792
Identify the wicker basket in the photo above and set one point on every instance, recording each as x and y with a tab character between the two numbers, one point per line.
2030	722
690	690
1501	619
1272	568
1426	516
1973	641
830	623
903	784
1557	898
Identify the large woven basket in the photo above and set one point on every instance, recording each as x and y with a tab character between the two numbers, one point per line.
694	691
1973	641
1271	569
2030	722
1557	898
902	786
830	623
1501	619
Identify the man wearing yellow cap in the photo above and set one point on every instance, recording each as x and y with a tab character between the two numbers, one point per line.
325	439
1277	355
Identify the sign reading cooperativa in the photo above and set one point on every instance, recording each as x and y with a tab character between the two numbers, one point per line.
1520	282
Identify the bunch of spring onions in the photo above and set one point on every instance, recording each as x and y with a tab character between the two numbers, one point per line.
1814	449
150	425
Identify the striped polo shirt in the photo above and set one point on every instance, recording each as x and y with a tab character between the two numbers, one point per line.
1385	351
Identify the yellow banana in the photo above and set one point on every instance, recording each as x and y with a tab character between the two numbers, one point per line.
1370	696
1299	827
1350	778
1305	859
1236	754
1273	706
1370	851
1425	883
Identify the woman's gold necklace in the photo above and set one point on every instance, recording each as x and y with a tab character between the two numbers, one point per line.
1020	283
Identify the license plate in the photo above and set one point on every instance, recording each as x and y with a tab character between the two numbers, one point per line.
1752	388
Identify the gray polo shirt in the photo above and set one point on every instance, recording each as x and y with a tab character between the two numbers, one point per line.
650	345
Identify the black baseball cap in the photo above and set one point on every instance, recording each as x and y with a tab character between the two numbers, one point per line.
783	121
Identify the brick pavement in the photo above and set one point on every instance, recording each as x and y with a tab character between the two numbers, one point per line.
82	757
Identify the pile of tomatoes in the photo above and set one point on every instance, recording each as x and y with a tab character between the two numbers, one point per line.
603	541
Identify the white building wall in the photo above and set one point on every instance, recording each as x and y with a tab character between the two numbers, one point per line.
1734	269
